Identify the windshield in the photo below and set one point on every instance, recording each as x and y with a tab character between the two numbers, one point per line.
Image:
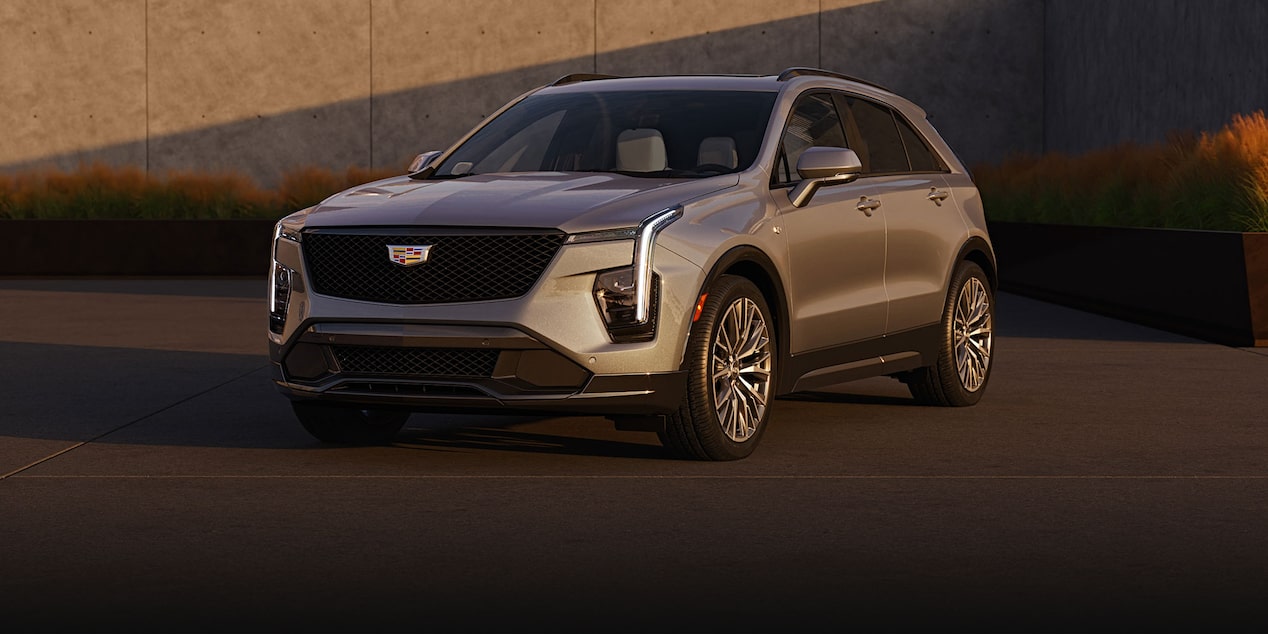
661	134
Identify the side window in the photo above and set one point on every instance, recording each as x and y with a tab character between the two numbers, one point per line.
918	153
881	149
814	123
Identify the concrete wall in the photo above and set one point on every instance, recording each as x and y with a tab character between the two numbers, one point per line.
1134	70
74	81
264	86
440	67
974	65
226	79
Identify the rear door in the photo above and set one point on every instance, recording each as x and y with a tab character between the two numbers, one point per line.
922	224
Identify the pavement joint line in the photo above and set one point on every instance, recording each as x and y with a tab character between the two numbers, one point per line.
130	423
636	477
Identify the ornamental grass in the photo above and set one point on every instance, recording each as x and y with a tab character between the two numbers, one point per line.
1216	180
100	191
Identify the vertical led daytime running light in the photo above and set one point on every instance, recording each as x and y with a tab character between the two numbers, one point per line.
281	281
643	260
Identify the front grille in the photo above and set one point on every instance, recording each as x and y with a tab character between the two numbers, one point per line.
459	268
429	362
410	389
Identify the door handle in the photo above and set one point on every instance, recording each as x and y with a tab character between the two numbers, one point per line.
866	205
937	196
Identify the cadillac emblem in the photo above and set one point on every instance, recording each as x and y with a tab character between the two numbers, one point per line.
408	254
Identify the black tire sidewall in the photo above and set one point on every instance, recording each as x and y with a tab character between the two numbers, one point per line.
724	292
951	383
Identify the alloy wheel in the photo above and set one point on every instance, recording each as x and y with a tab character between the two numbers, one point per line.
740	361
972	334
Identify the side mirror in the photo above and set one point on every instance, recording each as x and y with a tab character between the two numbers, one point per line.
820	166
422	162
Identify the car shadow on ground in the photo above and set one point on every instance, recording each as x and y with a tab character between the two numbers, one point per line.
521	440
127	396
843	397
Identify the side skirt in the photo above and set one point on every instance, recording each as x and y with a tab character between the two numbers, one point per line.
896	352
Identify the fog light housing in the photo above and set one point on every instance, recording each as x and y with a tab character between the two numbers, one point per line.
615	292
279	297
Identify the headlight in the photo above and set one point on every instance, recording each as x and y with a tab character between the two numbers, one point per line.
280	297
281	279
615	292
627	297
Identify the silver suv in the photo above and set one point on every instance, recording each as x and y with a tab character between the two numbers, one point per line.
670	252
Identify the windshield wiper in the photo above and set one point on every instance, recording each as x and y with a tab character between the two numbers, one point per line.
449	176
665	173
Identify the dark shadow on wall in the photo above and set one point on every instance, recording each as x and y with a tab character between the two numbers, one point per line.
975	66
1136	70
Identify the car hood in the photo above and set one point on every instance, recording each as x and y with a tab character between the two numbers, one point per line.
568	201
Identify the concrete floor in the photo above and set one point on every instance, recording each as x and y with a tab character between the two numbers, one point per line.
1113	477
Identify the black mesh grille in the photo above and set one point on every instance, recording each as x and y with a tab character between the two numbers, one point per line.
459	268
431	362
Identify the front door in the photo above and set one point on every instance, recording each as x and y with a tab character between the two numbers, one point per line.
836	250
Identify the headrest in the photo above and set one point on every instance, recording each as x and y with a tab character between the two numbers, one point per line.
718	150
641	150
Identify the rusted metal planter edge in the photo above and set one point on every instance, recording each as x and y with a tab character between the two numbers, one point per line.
1208	284
134	247
1211	285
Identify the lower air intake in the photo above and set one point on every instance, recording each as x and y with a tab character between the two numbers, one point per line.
416	362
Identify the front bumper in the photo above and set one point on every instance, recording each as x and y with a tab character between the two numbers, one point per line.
547	351
482	368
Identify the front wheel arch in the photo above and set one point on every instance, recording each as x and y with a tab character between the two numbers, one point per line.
751	263
732	370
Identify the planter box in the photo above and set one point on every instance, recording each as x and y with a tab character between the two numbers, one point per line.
135	247
1207	284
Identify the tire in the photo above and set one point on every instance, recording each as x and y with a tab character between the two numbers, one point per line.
348	425
727	404
960	375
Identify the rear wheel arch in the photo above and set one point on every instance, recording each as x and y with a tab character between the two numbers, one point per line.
978	251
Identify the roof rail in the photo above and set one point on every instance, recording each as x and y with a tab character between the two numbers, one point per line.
798	71
580	77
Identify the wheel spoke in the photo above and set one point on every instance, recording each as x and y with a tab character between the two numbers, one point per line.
753	344
755	394
726	408
736	321
741	415
723	341
978	348
754	373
